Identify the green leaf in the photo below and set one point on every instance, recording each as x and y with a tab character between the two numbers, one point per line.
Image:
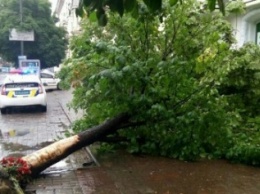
102	20
135	12
92	16
173	2
221	6
212	5
154	5
130	5
102	17
117	5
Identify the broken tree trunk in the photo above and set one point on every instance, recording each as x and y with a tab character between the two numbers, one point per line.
47	156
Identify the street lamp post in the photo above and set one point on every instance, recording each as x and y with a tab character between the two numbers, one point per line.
21	20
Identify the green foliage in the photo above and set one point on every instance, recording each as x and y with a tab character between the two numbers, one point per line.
170	74
236	7
132	6
105	148
65	76
242	85
50	42
247	148
241	88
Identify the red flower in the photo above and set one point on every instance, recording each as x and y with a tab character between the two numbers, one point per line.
24	170
16	167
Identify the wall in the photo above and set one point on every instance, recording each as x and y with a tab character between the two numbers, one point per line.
65	10
245	25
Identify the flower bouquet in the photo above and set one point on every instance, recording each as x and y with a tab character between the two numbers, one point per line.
16	169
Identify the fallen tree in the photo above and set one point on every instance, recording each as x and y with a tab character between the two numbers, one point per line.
47	156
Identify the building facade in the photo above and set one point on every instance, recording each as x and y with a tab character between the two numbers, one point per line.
65	11
247	26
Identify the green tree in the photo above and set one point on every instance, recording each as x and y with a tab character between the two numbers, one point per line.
50	41
173	76
163	74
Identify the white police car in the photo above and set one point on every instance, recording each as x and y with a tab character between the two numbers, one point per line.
21	91
49	80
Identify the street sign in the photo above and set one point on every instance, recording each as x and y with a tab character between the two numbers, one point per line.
22	57
15	35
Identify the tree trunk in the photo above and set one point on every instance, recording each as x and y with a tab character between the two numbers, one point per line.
47	156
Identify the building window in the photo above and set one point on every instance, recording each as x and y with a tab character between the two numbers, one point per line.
258	34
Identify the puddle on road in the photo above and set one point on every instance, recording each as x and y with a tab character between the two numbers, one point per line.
59	167
14	132
4	146
78	160
13	149
10	145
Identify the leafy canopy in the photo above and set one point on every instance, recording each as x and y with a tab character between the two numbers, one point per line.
50	42
132	6
174	75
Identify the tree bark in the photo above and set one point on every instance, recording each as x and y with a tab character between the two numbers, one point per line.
47	156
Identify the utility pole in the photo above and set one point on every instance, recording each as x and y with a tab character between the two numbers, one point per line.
21	20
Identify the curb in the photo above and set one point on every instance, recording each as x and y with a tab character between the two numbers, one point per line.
65	110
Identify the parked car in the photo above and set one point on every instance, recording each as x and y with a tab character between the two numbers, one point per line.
49	80
22	91
5	69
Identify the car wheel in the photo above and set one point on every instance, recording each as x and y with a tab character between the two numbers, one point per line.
58	87
44	108
3	111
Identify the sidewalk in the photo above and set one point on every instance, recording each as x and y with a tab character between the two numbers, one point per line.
61	178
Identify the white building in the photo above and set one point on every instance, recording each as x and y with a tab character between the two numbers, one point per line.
65	10
247	26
